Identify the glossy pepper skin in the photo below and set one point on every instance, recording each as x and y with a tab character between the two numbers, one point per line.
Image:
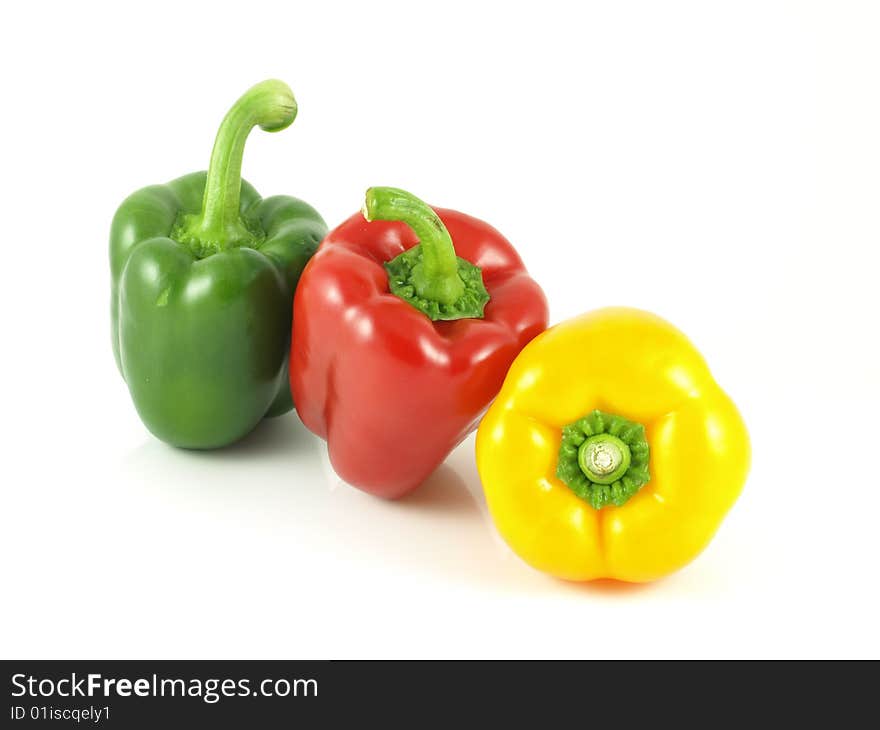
636	370
202	277
391	390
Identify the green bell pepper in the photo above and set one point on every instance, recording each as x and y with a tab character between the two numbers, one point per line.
203	273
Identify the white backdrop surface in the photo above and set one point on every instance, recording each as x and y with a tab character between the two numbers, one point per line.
726	156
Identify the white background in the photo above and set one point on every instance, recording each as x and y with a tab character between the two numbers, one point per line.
718	163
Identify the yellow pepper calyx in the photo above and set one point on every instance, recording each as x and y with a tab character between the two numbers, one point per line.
603	459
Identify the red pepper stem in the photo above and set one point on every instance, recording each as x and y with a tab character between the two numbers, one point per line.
271	105
436	278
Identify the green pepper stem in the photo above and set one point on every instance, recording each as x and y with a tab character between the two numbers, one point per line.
437	276
271	105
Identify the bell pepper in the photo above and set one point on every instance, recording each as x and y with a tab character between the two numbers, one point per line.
610	451
405	322
202	278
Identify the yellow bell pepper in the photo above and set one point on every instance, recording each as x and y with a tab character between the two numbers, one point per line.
610	451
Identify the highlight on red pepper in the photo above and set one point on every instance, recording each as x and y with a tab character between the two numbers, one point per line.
405	323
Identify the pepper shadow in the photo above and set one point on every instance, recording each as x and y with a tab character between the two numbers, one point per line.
276	447
611	587
438	529
442	492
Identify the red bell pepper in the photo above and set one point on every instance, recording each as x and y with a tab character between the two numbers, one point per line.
401	338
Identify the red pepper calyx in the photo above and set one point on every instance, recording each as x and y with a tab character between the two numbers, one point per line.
429	276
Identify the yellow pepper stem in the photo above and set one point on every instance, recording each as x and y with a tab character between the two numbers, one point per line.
604	458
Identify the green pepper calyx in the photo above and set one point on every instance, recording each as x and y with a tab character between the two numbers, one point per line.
220	225
603	459
429	276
